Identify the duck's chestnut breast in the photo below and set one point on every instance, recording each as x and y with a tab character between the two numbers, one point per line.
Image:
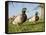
36	18
24	17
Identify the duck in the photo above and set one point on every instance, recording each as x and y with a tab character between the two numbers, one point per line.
20	19
34	18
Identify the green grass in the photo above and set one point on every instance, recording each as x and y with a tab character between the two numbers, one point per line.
27	27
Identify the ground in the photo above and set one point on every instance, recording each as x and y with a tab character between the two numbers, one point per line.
27	27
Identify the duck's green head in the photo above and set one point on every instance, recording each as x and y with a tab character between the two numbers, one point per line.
24	10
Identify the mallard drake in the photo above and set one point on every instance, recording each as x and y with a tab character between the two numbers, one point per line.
21	18
34	18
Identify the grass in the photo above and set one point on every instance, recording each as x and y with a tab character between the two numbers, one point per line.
27	27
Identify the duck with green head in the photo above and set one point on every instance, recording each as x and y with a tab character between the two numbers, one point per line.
20	19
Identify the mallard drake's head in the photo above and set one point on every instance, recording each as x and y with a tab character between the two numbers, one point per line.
24	10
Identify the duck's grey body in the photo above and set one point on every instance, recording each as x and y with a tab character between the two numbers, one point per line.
20	19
